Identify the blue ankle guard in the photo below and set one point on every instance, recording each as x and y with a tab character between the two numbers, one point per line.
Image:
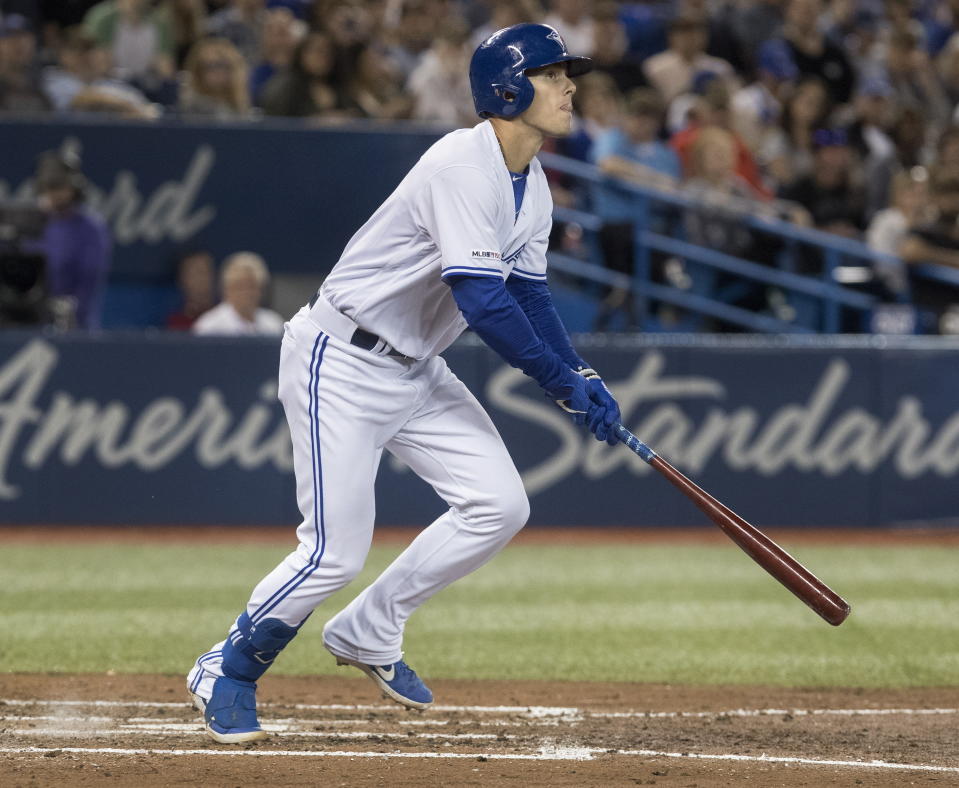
247	656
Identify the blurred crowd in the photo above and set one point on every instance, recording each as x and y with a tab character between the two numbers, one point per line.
841	115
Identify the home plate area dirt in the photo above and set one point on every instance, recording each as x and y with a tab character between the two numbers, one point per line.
138	730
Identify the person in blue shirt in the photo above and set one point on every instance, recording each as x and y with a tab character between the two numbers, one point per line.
632	152
76	242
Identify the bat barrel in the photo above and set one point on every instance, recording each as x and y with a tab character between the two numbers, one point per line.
764	551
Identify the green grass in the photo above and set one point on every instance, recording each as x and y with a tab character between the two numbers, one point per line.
678	614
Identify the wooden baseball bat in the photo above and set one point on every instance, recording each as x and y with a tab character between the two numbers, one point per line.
763	550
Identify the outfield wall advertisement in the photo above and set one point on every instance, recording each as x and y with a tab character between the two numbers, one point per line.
292	191
139	429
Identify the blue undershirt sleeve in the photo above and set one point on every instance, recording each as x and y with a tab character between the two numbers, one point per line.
500	322
535	300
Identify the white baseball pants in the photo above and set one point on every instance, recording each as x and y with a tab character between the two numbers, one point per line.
345	405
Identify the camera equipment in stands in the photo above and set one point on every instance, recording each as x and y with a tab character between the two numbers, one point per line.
23	287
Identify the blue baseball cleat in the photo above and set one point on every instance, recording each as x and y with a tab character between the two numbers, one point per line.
230	713
398	681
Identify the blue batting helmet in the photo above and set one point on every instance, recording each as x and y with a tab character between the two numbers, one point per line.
499	65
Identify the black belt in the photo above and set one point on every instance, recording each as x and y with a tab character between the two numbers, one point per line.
367	340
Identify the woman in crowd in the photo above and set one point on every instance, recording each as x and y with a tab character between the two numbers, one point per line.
376	86
214	82
308	88
789	155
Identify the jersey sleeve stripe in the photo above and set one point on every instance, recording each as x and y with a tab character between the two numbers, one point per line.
465	269
472	268
529	275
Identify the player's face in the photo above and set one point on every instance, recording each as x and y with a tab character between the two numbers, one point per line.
551	112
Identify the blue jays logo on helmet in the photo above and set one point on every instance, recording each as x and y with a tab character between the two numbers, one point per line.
498	69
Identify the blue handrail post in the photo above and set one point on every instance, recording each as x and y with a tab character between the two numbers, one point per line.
641	267
830	306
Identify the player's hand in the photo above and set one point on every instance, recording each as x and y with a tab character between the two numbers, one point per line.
605	410
573	397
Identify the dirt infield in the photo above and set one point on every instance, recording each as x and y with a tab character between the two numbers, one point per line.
94	730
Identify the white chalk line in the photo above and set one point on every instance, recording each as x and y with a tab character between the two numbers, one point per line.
566	713
274	720
771	713
876	764
533	712
195	729
545	754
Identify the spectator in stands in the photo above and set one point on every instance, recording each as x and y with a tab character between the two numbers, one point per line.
20	84
673	72
889	228
833	193
597	106
755	22
913	79
789	154
282	33
947	67
721	198
240	22
898	20
376	87
911	135
631	151
574	21
351	25
308	88
195	281
440	83
215	82
505	13
871	142
940	22
81	81
611	53
813	53
873	109
58	17
409	32
243	281
936	241
947	150
139	37
76	242
854	28
721	192
187	26
757	108
721	39
712	109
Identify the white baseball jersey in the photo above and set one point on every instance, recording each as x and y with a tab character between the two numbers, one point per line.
454	213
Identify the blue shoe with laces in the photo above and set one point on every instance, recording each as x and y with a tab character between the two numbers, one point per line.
398	681
230	713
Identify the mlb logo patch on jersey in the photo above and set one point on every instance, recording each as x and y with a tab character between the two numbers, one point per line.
484	254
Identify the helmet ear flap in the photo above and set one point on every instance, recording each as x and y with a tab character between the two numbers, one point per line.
514	97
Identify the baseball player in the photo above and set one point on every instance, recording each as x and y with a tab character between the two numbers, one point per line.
461	242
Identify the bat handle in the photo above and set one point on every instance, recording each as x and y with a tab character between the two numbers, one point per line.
634	443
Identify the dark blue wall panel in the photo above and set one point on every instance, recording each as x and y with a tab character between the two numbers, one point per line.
164	429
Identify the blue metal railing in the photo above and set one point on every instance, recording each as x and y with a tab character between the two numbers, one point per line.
820	300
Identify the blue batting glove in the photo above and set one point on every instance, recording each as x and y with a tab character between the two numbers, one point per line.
605	413
573	397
